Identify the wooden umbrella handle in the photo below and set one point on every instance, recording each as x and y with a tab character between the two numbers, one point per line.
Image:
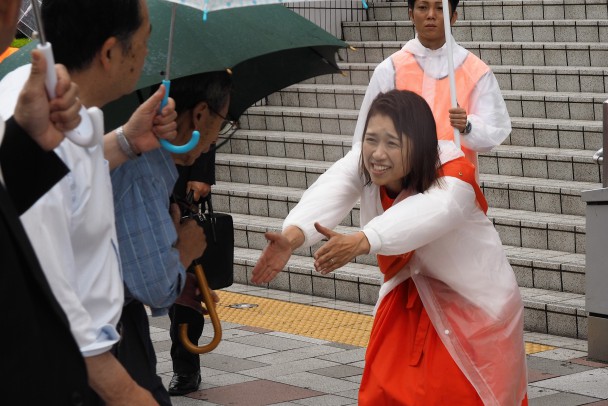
215	320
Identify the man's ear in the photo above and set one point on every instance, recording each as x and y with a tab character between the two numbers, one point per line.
200	113
410	14
108	52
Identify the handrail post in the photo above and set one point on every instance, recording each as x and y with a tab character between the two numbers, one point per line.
605	145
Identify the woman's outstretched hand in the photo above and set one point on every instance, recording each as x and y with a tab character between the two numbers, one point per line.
273	258
339	249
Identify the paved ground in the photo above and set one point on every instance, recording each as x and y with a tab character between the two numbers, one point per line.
269	356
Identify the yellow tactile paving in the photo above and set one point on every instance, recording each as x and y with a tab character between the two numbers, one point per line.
305	320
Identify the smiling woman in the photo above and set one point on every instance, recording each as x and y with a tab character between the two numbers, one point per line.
448	327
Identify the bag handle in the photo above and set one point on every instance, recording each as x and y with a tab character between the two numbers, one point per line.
210	215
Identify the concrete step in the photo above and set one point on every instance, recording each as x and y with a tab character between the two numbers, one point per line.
534	194
510	77
522	228
526	161
498	53
545	163
534	268
486	30
545	311
551	133
538	104
504	10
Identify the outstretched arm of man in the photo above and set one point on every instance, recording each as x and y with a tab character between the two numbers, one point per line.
143	130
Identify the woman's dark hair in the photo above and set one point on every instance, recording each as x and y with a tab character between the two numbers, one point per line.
212	88
453	3
414	121
79	28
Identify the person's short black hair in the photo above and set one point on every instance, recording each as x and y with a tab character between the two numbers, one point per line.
78	28
414	121
211	87
453	3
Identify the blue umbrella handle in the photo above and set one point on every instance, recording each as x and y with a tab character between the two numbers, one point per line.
177	149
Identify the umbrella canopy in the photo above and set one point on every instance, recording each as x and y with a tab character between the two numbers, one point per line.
267	48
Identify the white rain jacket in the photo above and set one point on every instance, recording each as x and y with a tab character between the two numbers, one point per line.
460	269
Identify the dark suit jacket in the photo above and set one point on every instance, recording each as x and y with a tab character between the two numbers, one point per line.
41	363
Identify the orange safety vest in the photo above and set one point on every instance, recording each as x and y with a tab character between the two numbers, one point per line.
409	76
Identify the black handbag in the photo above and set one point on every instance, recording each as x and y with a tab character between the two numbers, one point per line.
218	258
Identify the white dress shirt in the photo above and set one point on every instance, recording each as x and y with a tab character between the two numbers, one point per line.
73	233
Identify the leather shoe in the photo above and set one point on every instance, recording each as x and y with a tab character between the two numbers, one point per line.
183	384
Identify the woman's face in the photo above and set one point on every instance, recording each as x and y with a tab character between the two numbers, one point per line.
385	153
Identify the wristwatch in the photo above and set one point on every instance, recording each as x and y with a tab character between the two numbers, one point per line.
467	128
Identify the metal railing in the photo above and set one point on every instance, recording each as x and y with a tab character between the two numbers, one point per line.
329	15
600	153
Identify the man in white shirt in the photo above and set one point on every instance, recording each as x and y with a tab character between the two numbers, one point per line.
72	228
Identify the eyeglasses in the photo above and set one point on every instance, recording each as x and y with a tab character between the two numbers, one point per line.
227	125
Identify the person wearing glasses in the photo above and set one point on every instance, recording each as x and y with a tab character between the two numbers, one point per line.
155	247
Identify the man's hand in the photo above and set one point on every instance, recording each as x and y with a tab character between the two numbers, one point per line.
200	189
458	118
146	126
339	249
191	240
46	121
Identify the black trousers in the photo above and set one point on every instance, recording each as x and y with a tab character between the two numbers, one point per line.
184	362
136	352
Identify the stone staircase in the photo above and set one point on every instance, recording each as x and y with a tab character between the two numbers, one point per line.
550	58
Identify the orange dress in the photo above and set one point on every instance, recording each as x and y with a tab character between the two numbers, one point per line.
406	362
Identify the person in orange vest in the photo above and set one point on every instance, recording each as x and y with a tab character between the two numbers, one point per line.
422	67
8	52
448	327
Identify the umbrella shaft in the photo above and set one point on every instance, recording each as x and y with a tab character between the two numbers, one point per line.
36	7
170	49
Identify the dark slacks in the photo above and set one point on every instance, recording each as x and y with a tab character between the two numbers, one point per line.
136	352
184	362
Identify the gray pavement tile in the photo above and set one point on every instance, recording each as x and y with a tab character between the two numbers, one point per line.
271	342
351	393
590	363
346	357
593	383
298	338
561	399
338	371
280	357
228	363
560	354
254	393
303	365
160	336
284	404
227	379
356	379
344	346
358	364
228	334
550	366
325	400
186	401
164	366
317	382
239	350
161	322
162	346
534	392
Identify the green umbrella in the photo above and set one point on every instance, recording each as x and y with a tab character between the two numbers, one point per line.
266	48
